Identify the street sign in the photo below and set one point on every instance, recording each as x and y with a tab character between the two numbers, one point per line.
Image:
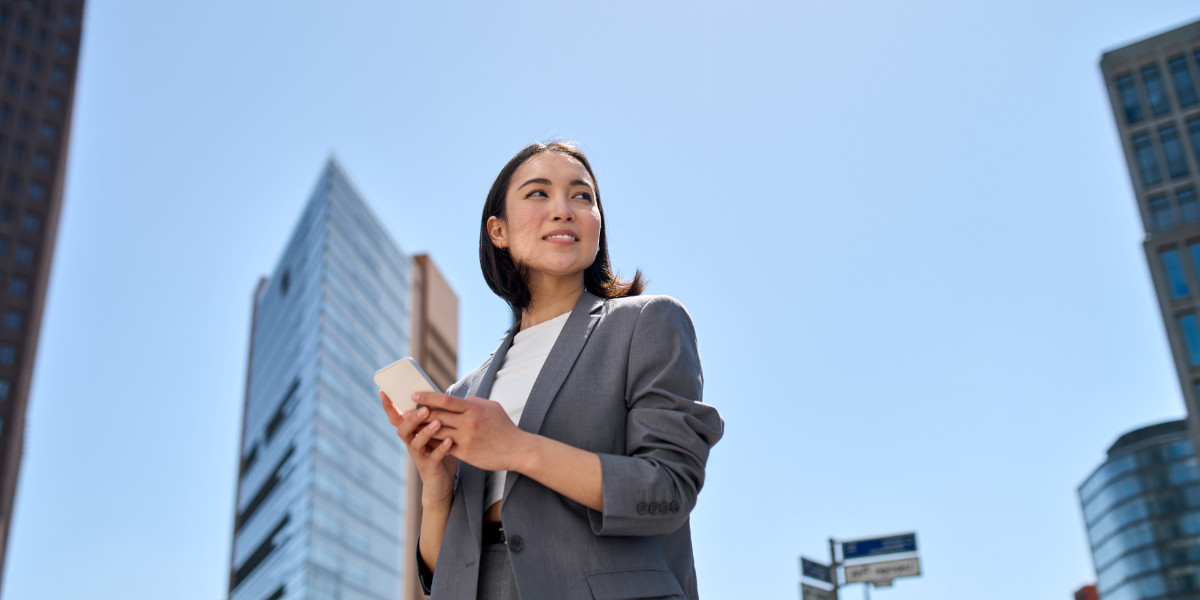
875	547
880	572
815	570
808	592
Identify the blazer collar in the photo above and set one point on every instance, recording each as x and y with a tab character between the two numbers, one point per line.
559	362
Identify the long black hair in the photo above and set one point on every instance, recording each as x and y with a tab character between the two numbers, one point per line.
509	279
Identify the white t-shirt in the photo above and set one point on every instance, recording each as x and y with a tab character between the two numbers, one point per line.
515	379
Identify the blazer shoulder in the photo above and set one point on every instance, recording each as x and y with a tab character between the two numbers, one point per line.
638	304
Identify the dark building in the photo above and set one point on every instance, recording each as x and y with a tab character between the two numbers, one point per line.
1142	513
39	54
1154	88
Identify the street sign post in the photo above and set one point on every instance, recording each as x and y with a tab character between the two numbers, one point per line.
875	547
880	572
816	570
808	592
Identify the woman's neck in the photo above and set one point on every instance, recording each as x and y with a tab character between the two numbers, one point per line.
549	299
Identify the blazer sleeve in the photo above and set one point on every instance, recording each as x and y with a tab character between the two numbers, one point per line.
668	432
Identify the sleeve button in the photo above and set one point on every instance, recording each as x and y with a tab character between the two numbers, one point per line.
516	544
675	507
654	508
641	508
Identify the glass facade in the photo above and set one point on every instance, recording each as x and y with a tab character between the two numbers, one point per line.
1155	91
320	511
1147	160
1142	513
1185	88
1129	99
1174	270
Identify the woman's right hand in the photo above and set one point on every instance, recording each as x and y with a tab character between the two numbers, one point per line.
430	455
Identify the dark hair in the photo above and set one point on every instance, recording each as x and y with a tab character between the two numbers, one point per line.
509	279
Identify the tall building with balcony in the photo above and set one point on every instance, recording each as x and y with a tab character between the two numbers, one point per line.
39	56
1142	513
323	482
1154	89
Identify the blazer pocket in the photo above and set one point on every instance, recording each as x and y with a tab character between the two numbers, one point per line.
632	585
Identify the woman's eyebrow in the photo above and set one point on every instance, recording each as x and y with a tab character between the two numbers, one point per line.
544	181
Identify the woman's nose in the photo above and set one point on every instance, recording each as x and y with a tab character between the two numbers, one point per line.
563	212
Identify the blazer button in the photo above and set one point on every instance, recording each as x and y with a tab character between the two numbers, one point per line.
641	508
516	544
674	507
654	508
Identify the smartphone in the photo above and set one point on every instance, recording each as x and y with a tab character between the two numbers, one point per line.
400	379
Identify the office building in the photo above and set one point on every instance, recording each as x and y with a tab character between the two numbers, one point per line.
1142	513
39	55
1154	89
323	479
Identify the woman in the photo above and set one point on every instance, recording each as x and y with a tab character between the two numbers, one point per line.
576	477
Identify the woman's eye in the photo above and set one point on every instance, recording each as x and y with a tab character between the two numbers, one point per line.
536	193
583	196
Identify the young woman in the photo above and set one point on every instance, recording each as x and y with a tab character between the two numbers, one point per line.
576	475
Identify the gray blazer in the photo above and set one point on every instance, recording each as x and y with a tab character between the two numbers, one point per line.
622	380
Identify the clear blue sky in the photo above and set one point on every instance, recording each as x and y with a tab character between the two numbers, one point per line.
905	232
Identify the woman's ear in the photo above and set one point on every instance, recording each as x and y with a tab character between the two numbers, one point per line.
498	232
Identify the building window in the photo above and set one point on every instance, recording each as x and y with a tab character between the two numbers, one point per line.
1191	338
1147	160
58	74
1194	133
8	355
22	26
23	121
12	183
1176	162
16	55
53	103
1173	268
41	161
30	93
68	21
1129	98
25	254
12	320
1186	198
18	152
37	191
49	132
10	84
35	63
19	286
63	48
5	389
1156	90
3	246
1160	213
31	222
1185	89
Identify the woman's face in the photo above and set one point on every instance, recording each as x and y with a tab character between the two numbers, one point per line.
552	222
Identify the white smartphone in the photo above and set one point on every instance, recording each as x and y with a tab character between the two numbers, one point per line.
400	379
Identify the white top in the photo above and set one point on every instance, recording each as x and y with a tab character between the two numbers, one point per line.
515	379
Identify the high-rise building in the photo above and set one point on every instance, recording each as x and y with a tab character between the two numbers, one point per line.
1142	513
1154	88
39	53
323	481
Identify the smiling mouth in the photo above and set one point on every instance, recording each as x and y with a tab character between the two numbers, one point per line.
561	236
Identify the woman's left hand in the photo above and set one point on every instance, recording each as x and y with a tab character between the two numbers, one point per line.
481	431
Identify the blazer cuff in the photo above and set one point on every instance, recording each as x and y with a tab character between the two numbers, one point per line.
424	575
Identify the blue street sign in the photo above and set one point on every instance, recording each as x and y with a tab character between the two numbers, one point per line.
815	570
875	547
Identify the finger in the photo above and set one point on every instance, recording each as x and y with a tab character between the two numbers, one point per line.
421	439
440	451
442	401
415	419
394	417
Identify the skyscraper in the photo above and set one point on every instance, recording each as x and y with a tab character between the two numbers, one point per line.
39	52
1142	513
1154	88
322	484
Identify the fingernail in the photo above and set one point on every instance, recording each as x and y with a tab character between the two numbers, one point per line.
422	412
416	397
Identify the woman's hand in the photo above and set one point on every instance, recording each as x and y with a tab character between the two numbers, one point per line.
481	431
417	430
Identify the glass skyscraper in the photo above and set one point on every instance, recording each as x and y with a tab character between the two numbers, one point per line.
1142	512
320	510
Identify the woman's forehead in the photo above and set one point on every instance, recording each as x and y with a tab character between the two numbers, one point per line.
551	164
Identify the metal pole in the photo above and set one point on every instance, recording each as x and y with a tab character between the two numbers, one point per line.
833	565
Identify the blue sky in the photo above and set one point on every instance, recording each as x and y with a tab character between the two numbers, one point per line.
905	233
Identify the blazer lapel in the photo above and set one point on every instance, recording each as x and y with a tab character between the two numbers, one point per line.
559	362
469	477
